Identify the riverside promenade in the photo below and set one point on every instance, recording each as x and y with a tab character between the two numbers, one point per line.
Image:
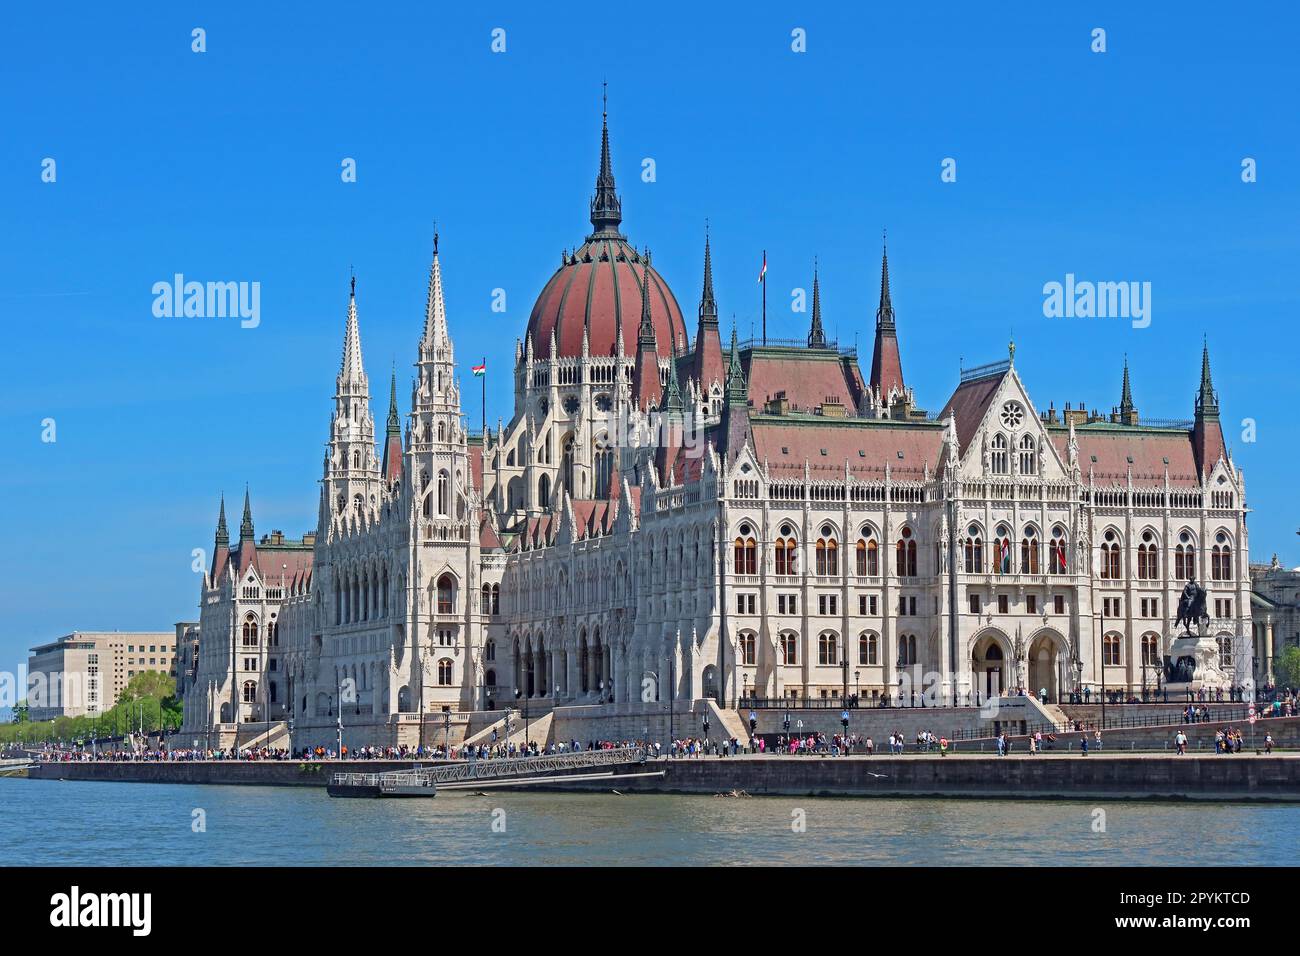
1246	776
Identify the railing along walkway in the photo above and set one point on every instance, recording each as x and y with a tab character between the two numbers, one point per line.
491	769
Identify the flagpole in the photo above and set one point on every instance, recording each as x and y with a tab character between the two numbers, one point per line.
764	296
484	405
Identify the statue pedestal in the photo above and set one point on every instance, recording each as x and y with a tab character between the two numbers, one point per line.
1204	652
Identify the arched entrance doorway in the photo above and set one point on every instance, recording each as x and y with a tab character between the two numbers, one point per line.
1042	667
988	667
710	682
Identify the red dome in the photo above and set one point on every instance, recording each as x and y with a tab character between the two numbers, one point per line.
599	289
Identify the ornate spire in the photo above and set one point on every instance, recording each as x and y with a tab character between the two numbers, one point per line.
816	337
394	420
708	305
1126	394
673	394
352	370
435	310
606	208
885	311
646	334
223	536
735	374
246	525
1207	402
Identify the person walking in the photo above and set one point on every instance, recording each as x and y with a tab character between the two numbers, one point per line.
1180	742
1083	743
1268	743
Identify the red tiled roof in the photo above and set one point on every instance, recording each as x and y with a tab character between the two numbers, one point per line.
808	378
866	444
1113	446
969	402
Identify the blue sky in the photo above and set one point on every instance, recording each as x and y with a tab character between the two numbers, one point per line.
225	165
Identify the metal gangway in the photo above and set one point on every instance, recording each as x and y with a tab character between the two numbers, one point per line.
493	771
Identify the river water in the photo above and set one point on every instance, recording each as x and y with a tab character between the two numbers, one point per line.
112	824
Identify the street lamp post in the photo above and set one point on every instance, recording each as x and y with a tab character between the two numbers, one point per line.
518	694
857	686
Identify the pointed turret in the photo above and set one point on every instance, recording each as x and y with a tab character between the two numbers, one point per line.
1207	433
816	337
645	376
707	365
352	370
886	364
606	208
246	523
435	341
735	409
392	464
1127	412
221	550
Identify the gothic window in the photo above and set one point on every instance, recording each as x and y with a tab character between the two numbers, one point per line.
250	692
1111	565
485	599
250	631
446	594
343	502
604	471
786	551
544	492
973	551
566	467
828	562
1056	562
442	431
1150	649
490	652
1029	552
748	648
444	492
827	648
906	650
868	649
1185	557
1028	455
998	458
746	551
868	554
906	554
444	672
1225	650
1148	557
1002	560
1012	414
789	648
1221	558
356	459
1110	649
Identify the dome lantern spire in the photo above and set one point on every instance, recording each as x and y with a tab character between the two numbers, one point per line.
606	207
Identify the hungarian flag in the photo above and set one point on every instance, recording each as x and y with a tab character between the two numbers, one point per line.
479	369
1005	547
762	272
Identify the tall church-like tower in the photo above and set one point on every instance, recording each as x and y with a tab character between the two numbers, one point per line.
351	470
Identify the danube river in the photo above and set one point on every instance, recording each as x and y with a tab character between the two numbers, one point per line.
111	824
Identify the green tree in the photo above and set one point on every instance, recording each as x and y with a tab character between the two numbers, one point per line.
1286	668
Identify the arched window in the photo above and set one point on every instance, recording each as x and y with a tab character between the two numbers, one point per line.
604	471
998	459
250	631
544	491
1221	558
906	554
828	562
1151	650
490	651
906	650
566	467
1056	562
1110	649
789	648
1148	557
250	692
1225	650
748	648
485	600
1185	557
785	554
496	599
446	594
444	496
973	551
1028	455
868	649
746	551
1111	565
1029	552
868	554
1002	560
442	431
356	459
827	648
444	672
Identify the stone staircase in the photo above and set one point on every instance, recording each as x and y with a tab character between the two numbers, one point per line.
277	736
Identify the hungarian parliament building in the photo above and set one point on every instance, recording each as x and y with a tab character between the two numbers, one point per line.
672	516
